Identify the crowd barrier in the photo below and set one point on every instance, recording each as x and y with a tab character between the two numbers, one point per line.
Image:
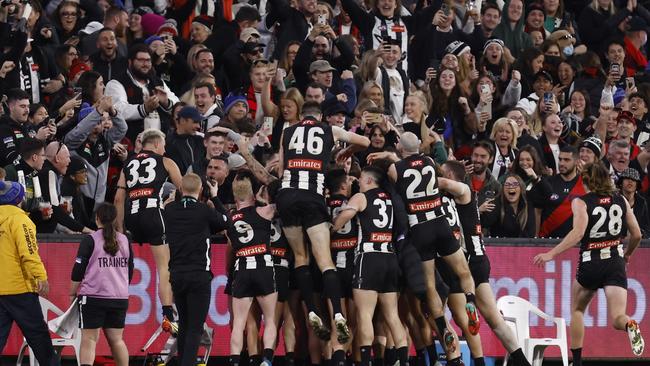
512	273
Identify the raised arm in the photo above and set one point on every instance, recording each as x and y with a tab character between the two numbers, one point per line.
260	173
461	192
356	204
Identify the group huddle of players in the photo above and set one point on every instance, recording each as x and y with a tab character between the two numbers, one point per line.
360	252
351	260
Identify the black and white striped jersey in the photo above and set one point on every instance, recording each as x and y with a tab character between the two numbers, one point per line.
280	250
145	175
307	148
451	213
470	221
376	223
418	185
250	237
344	241
606	227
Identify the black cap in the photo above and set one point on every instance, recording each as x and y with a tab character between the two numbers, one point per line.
76	165
191	113
637	24
332	106
544	74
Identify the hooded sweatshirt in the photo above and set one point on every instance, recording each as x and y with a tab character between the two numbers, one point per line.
515	39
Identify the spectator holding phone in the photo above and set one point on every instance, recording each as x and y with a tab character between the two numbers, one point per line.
99	128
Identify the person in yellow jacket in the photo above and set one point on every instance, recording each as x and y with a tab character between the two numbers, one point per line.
23	276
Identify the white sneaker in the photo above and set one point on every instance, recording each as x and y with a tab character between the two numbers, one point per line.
636	340
317	325
342	330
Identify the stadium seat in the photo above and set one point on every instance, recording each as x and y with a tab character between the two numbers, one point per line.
75	342
516	312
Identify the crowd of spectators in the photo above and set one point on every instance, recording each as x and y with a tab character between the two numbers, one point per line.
525	93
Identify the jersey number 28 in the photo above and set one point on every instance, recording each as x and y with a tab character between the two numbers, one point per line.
615	224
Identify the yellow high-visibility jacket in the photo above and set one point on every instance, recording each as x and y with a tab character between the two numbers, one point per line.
20	264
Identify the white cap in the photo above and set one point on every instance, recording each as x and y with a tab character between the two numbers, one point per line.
92	27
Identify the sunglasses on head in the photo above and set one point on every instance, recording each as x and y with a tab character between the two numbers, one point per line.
260	61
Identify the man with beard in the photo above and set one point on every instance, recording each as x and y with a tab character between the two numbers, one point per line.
140	96
483	183
107	61
14	127
320	45
559	191
115	19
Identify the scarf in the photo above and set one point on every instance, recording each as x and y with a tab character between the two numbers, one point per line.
502	162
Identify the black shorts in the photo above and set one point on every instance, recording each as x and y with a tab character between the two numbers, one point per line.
376	272
302	208
433	237
593	275
95	313
146	226
410	264
253	282
479	266
282	283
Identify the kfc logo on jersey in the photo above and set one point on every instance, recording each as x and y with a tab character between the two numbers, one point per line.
605	201
415	163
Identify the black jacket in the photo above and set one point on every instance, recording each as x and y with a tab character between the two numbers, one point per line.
109	69
293	25
184	150
189	225
641	213
595	27
508	226
12	134
304	58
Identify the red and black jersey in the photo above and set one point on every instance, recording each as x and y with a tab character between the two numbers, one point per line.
342	242
307	148
557	216
280	250
250	237
145	175
606	227
418	186
376	223
470	221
